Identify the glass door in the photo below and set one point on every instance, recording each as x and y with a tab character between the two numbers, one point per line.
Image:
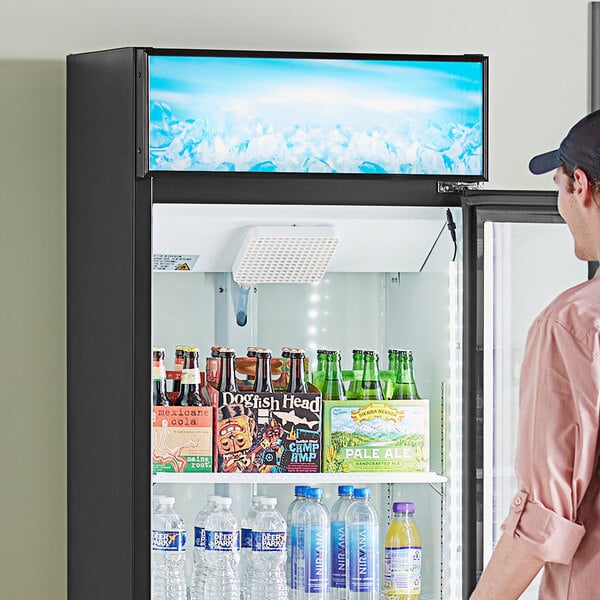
523	258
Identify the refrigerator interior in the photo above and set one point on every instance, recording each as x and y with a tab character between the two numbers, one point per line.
391	283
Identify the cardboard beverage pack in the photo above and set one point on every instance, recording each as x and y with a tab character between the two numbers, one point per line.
182	439
276	432
366	435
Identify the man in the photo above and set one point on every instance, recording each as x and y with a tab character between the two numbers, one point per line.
554	520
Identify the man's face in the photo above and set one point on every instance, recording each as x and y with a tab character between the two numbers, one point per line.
571	210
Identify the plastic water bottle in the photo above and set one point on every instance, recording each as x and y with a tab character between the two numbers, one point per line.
338	542
245	568
199	568
168	552
362	547
291	565
222	553
268	553
313	546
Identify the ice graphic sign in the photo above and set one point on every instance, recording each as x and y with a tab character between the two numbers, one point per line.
317	115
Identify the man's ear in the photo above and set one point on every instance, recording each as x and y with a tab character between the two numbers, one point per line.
582	189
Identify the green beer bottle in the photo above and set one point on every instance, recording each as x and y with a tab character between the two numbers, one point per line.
333	388
318	377
406	388
358	364
370	386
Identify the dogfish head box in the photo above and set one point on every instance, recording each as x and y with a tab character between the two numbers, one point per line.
277	432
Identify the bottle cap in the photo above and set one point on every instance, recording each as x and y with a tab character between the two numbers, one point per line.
263	352
268	501
212	497
167	501
300	490
257	499
357	351
223	501
403	507
362	493
314	493
157	349
227	352
370	352
345	490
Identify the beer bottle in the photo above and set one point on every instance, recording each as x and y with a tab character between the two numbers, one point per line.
297	384
214	351
333	388
189	394
358	364
178	366
227	382
159	378
251	351
389	383
318	377
262	381
370	386
406	388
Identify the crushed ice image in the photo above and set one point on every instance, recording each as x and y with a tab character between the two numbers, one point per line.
297	115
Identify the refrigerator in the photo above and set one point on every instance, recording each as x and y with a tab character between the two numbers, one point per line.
422	260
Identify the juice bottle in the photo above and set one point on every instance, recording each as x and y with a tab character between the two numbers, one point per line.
403	555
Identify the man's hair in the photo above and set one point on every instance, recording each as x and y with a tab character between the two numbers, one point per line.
594	183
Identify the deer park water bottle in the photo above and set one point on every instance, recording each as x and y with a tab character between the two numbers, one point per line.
362	547
199	568
245	567
268	553
168	552
222	553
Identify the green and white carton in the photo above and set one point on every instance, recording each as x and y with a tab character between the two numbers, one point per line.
367	436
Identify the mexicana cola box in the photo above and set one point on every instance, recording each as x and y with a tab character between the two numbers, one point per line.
182	439
367	435
278	432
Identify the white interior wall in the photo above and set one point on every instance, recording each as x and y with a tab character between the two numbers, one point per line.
538	87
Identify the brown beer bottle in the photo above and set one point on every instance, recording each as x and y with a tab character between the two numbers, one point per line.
263	382
178	366
227	382
297	383
189	394
159	378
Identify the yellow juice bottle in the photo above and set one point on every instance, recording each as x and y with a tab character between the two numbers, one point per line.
403	555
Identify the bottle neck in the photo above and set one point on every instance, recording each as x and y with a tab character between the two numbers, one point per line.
334	386
371	386
358	361
227	382
297	382
263	382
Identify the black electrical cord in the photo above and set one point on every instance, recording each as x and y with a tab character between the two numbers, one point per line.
452	229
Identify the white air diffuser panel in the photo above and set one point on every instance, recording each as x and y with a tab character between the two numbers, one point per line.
284	255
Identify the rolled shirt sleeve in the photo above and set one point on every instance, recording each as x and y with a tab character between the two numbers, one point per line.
557	438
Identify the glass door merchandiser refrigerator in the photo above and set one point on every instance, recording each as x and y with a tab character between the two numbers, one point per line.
264	199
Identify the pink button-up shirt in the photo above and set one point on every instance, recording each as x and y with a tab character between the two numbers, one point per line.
556	513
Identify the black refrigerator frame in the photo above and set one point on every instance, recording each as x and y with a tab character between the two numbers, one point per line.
109	271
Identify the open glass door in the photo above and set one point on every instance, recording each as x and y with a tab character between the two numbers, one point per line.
524	258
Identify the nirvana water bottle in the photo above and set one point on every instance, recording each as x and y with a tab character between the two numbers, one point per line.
168	552
338	542
245	568
403	555
268	553
294	583
362	547
222	553
199	568
313	550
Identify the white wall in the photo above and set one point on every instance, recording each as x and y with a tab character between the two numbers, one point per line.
538	87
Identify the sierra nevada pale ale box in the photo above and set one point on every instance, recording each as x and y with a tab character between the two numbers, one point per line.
267	432
383	435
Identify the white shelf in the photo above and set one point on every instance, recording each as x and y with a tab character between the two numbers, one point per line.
299	478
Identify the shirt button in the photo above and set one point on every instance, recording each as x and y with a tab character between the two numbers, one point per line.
517	501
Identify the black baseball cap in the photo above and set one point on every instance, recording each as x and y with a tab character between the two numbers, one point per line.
579	150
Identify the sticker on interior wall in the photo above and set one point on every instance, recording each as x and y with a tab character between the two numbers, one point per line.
174	262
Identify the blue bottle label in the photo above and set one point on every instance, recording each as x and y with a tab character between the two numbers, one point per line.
268	541
168	541
222	541
199	537
316	546
246	537
363	558
338	554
